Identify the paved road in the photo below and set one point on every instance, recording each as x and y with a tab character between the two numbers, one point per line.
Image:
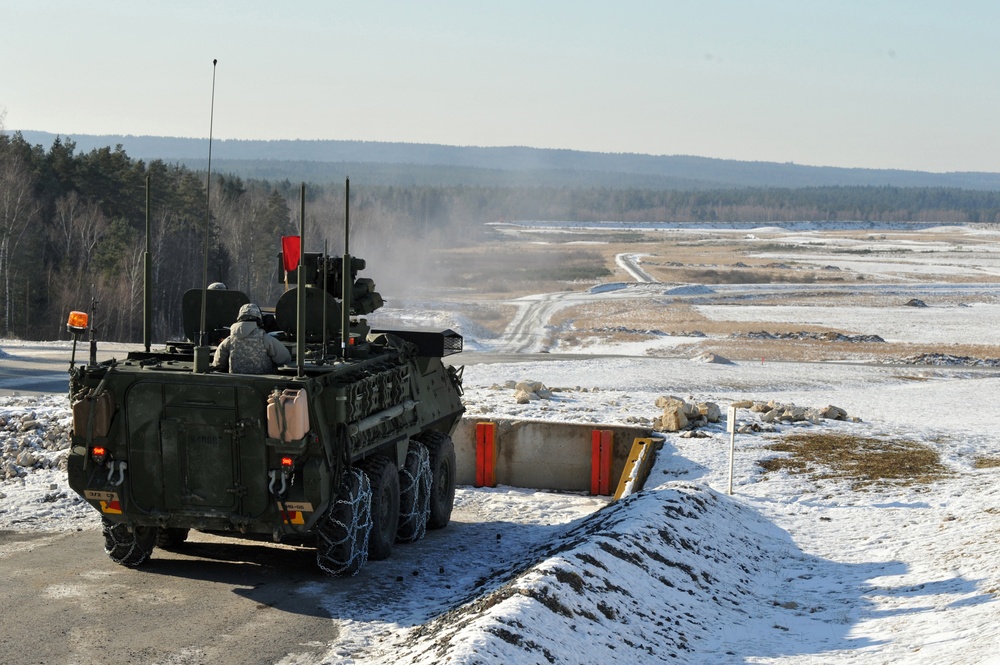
224	602
41	368
44	371
221	601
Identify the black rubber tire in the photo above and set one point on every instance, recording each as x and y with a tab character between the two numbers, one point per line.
414	494
384	480
442	454
171	538
128	548
342	536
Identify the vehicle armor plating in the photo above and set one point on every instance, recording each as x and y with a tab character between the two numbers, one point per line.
349	449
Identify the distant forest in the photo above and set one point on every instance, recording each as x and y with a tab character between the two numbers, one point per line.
72	223
385	163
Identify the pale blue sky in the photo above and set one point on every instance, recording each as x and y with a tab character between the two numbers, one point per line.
906	84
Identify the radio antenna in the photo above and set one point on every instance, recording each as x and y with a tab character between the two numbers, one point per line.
346	283
147	281
201	351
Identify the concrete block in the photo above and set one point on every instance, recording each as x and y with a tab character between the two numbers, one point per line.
541	454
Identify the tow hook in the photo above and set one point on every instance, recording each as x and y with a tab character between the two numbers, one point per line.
120	467
273	475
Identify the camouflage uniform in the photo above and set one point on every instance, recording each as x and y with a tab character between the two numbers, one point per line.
248	349
247	354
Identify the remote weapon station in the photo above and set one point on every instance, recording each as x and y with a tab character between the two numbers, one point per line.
346	448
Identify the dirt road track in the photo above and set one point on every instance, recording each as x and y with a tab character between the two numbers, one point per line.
217	603
630	264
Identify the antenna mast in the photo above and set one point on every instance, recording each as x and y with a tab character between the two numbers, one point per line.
345	276
300	290
147	282
201	351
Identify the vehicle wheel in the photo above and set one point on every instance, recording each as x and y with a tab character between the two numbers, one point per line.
171	538
342	538
442	457
414	494
128	548
384	479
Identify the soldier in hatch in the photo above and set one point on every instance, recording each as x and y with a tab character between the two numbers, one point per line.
248	349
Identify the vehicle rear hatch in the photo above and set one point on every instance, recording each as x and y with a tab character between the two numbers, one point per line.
197	448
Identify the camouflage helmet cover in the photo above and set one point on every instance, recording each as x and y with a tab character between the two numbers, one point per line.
250	312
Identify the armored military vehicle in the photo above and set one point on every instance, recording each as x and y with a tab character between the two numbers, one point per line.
347	448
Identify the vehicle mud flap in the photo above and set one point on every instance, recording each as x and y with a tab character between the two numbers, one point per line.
414	494
342	537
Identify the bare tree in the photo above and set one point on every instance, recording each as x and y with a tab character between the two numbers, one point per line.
78	227
250	227
18	210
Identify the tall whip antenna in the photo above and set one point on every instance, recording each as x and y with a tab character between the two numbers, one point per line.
147	281
346	285
201	351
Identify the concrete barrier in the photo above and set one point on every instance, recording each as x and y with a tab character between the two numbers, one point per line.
541	454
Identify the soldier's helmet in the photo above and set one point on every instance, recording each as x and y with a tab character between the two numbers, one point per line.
250	312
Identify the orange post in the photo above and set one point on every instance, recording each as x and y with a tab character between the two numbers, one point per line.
486	455
601	447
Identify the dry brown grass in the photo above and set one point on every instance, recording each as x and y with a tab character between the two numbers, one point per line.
863	461
498	271
635	313
987	462
493	316
523	263
677	318
820	351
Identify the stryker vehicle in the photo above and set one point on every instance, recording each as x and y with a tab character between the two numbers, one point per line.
347	448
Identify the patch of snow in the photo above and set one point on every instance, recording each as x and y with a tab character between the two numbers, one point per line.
607	288
690	290
894	322
709	357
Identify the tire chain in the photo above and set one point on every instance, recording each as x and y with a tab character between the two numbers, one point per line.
350	534
117	539
409	482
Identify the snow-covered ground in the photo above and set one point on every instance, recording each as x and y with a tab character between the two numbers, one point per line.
788	569
894	323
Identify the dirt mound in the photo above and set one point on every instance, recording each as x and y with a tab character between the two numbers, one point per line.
828	336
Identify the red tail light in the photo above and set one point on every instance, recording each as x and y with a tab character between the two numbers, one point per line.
98	453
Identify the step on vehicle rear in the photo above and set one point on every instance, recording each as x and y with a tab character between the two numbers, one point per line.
346	448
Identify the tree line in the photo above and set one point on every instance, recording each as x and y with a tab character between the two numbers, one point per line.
73	226
380	162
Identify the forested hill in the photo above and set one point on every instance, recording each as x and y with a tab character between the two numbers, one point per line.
440	165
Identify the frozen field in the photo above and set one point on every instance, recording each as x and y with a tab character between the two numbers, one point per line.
820	566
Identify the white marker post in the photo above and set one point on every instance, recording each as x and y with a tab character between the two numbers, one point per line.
731	426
